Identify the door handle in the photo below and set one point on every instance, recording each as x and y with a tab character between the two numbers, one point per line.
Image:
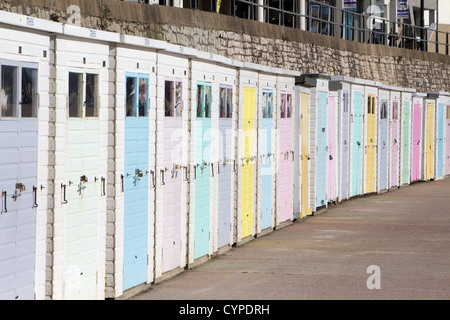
185	173
63	186
121	182
4	195
35	205
162	177
103	181
153	178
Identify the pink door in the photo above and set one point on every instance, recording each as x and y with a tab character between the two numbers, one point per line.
286	155
332	149
417	129
394	145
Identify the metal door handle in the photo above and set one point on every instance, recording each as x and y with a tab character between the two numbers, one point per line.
162	177
35	205
63	186
103	180
185	173
4	195
121	181
153	178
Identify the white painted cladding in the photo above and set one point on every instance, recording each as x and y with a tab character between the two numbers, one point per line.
80	56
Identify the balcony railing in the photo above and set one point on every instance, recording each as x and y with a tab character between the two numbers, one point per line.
329	20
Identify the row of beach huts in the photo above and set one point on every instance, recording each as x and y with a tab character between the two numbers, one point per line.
125	160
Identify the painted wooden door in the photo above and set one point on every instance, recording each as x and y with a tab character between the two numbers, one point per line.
267	168
370	144
321	165
82	186
345	146
416	142
357	139
285	187
405	137
225	166
383	146
136	180
440	140
247	161
332	149
203	169
394	144
172	176
18	179
447	144
429	142
305	158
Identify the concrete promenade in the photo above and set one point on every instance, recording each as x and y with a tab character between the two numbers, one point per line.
403	234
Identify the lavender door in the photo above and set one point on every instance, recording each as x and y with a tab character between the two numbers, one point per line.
416	143
225	166
332	148
345	147
172	176
383	146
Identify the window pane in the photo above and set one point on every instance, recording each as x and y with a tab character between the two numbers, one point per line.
289	105
223	103
91	95
168	98
143	97
178	99
264	105
270	105
75	94
283	106
130	98
200	101
207	101
29	85
229	103
9	91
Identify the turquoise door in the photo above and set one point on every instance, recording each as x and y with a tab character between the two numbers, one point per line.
135	180
202	170
356	145
266	158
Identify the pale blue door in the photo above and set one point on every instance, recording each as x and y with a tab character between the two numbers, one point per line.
202	170
321	174
383	146
356	144
135	180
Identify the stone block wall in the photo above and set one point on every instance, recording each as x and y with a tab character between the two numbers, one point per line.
251	41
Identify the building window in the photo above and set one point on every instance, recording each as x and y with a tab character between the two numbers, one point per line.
75	94
395	110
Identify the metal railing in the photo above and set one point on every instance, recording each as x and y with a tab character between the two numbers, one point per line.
345	24
329	20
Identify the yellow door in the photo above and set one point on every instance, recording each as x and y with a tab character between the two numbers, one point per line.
429	143
370	144
248	162
304	125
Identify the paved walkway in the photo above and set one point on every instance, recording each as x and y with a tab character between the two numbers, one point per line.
404	234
